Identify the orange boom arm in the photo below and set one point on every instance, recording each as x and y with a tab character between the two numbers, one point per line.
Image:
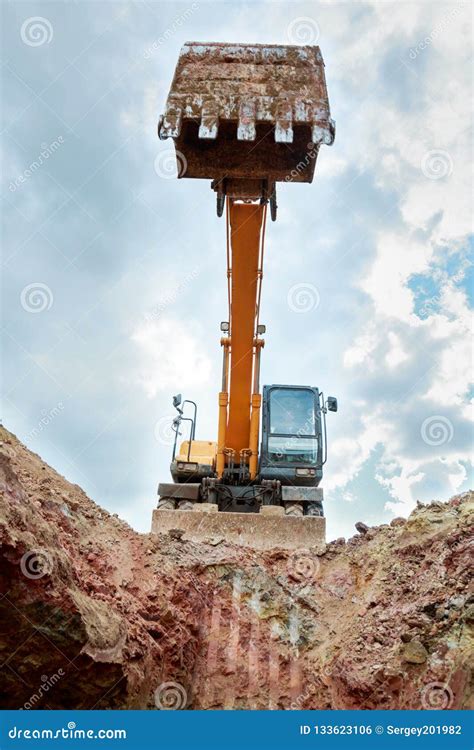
239	400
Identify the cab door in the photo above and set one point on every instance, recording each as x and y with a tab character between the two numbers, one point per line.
291	434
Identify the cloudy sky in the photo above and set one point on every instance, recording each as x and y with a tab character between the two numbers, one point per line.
114	271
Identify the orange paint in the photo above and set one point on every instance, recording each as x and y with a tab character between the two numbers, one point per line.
245	226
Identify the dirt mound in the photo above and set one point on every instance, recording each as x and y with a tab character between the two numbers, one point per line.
97	616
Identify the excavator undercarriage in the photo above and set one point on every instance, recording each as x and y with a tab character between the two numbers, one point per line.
247	117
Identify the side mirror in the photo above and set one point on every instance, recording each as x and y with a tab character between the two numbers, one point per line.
177	400
332	403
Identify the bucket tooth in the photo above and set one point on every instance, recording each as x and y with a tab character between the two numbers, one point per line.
323	127
209	121
265	105
322	134
302	111
170	125
246	130
208	128
284	123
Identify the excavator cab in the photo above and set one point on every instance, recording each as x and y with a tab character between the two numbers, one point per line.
292	435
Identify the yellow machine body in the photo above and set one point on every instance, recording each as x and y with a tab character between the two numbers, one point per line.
202	452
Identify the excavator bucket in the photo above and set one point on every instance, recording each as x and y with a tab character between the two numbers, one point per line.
250	112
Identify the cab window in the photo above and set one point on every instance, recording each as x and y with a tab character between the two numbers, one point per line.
292	412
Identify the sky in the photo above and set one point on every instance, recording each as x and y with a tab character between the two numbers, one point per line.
114	271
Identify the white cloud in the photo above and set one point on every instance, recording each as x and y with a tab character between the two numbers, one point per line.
362	347
396	355
434	480
398	257
169	354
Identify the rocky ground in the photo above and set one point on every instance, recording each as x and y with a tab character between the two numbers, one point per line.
95	615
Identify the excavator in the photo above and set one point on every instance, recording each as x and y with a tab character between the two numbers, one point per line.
247	116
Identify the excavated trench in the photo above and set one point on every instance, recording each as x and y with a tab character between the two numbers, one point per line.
94	615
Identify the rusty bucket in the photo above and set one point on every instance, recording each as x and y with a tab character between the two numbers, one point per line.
248	115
